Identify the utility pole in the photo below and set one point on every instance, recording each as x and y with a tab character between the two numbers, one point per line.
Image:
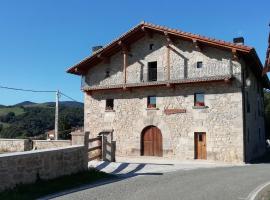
56	115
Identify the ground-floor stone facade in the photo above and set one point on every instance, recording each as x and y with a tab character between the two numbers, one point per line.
222	120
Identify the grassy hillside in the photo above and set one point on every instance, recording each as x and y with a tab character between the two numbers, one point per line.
15	110
33	119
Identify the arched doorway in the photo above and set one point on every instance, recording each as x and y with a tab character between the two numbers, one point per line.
151	142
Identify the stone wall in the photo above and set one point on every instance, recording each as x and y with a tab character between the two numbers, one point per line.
222	120
48	144
27	167
15	145
183	58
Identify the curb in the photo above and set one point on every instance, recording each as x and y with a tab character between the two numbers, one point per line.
262	192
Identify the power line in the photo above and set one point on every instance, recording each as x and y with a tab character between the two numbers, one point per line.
25	90
68	97
41	91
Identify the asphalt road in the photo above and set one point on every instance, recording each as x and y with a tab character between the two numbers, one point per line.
222	183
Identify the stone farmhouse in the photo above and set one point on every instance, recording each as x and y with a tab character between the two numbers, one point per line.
165	92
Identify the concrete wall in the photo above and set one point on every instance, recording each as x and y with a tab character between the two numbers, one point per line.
15	145
26	167
48	144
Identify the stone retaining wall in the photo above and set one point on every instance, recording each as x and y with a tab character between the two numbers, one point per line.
48	144
27	167
15	145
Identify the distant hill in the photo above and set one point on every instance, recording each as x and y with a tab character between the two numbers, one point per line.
29	119
49	104
65	103
24	103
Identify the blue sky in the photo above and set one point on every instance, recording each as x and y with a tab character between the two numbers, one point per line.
39	40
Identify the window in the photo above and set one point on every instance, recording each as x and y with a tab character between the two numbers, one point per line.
152	71
199	64
151	102
248	103
199	99
151	46
109	104
107	73
200	137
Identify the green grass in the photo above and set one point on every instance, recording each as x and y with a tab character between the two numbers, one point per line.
5	125
16	110
42	188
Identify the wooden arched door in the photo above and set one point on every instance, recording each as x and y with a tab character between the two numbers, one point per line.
151	142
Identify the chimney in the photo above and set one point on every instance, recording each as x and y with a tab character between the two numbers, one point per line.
96	48
239	40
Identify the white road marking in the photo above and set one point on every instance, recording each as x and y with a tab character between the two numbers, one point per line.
254	193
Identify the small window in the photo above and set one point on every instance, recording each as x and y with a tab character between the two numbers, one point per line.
200	137
109	104
199	99
151	46
151	102
248	103
199	64
152	71
107	73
